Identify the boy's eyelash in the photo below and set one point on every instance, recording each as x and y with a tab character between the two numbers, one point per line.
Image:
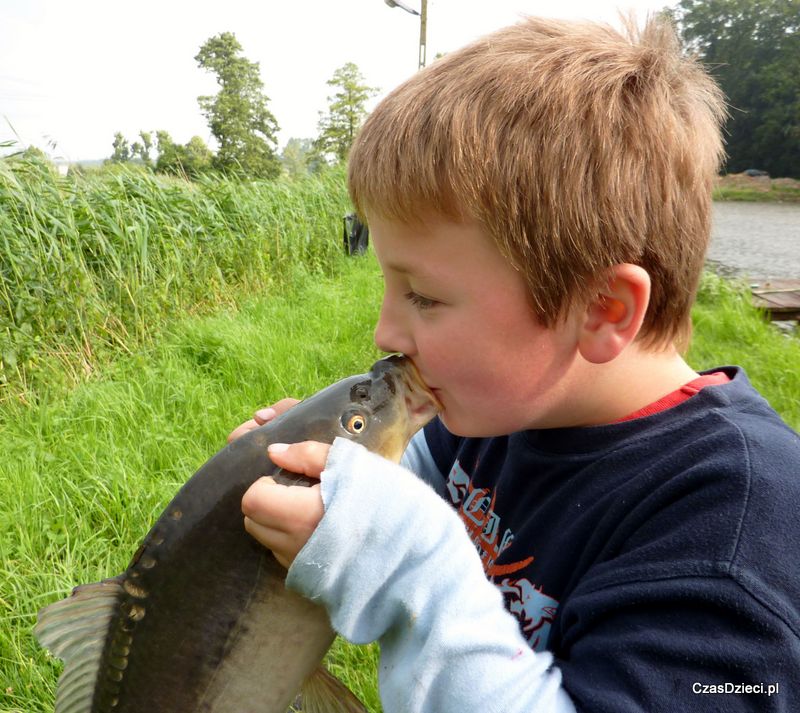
419	301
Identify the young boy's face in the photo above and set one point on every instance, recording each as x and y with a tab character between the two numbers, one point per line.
458	308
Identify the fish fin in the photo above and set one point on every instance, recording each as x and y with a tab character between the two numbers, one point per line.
75	630
322	692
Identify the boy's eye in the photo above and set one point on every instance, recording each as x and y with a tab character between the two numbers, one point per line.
419	301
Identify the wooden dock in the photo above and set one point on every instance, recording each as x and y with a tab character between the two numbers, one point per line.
780	299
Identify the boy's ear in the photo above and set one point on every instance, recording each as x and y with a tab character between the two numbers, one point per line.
613	318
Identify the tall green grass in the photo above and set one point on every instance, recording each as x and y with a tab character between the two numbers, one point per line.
729	330
777	193
92	265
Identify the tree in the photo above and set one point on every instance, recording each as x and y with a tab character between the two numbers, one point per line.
197	157
238	116
753	49
122	150
142	150
190	160
345	114
295	156
168	154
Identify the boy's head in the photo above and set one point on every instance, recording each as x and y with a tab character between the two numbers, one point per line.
575	147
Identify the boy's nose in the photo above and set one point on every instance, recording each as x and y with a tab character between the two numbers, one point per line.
390	336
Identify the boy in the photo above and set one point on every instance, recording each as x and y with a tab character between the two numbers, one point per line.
539	202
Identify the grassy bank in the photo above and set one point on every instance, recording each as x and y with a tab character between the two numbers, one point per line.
729	330
93	265
739	187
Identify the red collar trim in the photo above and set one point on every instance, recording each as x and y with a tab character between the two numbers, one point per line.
680	395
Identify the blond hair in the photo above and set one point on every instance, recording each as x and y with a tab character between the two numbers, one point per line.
575	146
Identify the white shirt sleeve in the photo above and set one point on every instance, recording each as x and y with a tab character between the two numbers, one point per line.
391	561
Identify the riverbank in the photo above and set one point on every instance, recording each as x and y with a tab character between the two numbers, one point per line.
739	187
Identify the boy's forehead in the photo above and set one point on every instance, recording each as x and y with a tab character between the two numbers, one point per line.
422	227
408	267
432	249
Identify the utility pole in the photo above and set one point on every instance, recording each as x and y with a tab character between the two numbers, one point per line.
423	25
423	29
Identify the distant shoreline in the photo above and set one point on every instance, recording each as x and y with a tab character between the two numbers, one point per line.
739	187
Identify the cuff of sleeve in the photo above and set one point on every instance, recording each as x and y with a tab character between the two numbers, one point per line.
381	523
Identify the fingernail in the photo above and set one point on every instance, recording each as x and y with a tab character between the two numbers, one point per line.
277	447
265	414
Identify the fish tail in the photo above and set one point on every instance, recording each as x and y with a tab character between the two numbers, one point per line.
322	692
75	630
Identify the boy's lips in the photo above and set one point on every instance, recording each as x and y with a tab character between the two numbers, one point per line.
421	401
437	394
435	390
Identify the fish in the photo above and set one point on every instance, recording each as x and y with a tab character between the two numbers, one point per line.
201	620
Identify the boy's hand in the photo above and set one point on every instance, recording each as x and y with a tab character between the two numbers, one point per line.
262	416
283	517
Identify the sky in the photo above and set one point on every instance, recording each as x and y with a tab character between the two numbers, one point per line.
72	73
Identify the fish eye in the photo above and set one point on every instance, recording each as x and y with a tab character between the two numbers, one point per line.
355	423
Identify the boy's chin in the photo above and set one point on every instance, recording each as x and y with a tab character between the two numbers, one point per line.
468	428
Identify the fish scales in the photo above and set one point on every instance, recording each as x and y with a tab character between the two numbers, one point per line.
201	619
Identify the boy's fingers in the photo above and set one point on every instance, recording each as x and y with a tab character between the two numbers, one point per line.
262	416
279	407
282	507
275	540
242	429
306	457
282	517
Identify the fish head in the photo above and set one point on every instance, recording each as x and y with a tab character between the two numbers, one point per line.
390	406
381	409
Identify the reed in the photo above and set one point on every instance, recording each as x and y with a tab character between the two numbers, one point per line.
95	264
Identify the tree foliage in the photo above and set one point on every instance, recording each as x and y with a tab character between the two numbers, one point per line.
237	115
191	160
346	112
753	49
298	158
142	150
122	149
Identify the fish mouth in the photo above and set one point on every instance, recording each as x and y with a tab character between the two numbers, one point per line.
422	404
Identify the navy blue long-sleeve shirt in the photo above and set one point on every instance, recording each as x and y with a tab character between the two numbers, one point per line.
658	559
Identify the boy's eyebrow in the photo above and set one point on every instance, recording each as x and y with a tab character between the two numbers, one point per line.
398	267
404	269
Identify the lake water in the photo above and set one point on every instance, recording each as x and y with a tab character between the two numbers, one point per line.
756	240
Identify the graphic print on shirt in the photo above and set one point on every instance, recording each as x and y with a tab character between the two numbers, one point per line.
534	609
